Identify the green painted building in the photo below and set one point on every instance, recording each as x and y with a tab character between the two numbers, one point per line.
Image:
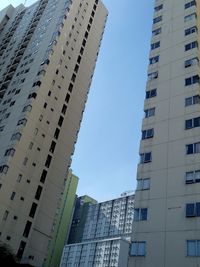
63	221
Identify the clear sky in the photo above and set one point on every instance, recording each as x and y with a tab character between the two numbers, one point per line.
106	154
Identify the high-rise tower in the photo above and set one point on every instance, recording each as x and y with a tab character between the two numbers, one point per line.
48	53
166	229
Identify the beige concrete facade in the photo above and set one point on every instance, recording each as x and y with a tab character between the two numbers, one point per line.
169	152
47	57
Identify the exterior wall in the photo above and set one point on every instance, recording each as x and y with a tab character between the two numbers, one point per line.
63	220
104	253
79	218
167	228
40	60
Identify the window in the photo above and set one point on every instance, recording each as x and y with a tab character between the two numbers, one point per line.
191	45
27	108
193	248
21	249
19	178
192	80
52	147
193	210
64	109
73	78
151	93
190	30
143	184
193	148
145	157
190	4
10	152
157	19
147	133
12	195
190	17
138	248
56	134
33	210
5	216
149	112
70	88
192	123
192	100
140	214
67	97
22	122
60	121
48	161
156	32
192	177
152	75
38	192
43	176
25	161
4	169
155	45
154	60
158	8
27	229
191	62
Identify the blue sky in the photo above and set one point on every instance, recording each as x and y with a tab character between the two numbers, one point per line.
106	154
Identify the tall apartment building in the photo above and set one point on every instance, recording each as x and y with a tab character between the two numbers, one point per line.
167	201
48	53
106	235
79	218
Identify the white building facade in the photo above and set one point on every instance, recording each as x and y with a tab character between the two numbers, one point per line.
48	53
166	229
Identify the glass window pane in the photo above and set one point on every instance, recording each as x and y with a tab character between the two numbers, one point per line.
197	176
198	209
133	251
141	248
146	183
139	184
136	214
191	248
190	210
197	148
143	215
189	177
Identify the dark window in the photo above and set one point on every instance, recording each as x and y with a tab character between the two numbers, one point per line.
43	176
52	147
151	93
158	8
190	4
70	88
56	134
76	68
191	45
60	122
64	109
67	97
48	161
79	59
45	105
157	19
145	157
73	78
38	192
33	210
27	229
21	249
147	133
